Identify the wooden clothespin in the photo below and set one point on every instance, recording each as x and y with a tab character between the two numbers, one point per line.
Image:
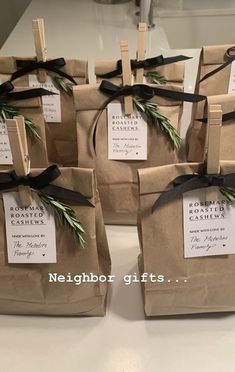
126	75
141	51
40	45
214	124
19	149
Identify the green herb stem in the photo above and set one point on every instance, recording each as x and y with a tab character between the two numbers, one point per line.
61	84
67	217
156	78
150	110
8	112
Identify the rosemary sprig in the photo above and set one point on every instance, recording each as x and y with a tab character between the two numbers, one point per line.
150	110
61	84
156	78
66	216
228	193
8	112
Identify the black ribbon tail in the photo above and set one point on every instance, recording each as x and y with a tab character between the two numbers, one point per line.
29	93
213	72
179	96
225	117
190	184
169	60
66	194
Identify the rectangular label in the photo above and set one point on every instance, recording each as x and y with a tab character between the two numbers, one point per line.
30	231
5	149
127	135
208	225
231	86
51	104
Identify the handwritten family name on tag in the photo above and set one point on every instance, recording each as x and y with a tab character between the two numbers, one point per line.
127	135
208	225
51	104
30	231
5	149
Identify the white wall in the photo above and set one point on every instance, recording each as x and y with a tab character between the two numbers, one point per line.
10	13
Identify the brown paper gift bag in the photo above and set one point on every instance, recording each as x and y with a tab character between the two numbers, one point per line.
117	180
212	80
214	57
169	68
61	137
30	108
197	131
26	289
210	280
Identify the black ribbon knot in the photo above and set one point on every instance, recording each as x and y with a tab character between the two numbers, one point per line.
42	182
146	63
145	92
54	65
189	182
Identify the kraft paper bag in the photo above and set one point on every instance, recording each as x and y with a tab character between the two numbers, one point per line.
31	108
117	179
61	137
26	289
173	72
212	80
197	131
210	280
214	57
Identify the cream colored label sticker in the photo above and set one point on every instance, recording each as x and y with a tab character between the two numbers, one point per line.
30	231
51	104
127	135
208	225
5	149
231	86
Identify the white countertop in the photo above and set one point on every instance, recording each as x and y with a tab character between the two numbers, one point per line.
122	341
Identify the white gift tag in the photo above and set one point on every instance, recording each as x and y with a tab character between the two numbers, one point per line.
127	135
5	149
208	225
51	104
30	231
231	86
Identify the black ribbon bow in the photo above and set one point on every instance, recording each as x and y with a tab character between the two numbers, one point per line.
145	92
191	182
41	183
6	94
146	63
230	58
27	66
